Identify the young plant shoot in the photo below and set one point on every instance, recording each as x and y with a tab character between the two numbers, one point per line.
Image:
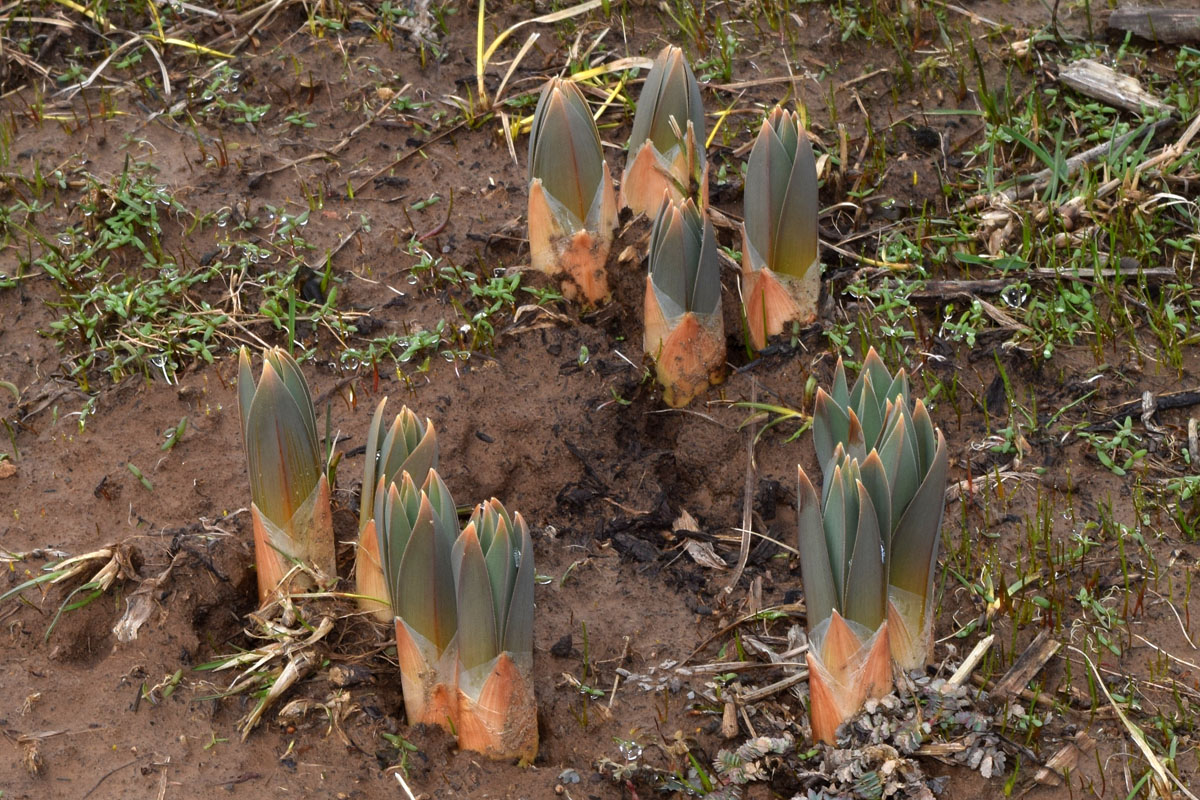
417	529
493	569
572	202
877	415
407	446
854	416
843	566
684	331
289	491
781	271
914	456
666	147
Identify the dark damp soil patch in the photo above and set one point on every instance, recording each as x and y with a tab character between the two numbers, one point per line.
327	162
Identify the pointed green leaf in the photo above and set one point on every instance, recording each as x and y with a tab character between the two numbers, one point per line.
795	243
565	149
283	459
874	369
767	173
870	413
501	567
595	219
518	631
898	389
366	500
684	268
910	475
477	642
866	595
426	587
915	541
786	125
706	294
394	526
445	513
839	458
668	260
830	426
293	379
926	435
669	93
820	593
672	110
898	453
874	477
839	391
246	388
647	101
850	481
834	519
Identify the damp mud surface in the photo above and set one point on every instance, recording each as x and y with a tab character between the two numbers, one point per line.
340	175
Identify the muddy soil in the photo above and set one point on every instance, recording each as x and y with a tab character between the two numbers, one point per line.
556	417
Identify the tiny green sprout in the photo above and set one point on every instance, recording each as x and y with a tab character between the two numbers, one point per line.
300	119
584	355
544	297
214	740
174	435
137	473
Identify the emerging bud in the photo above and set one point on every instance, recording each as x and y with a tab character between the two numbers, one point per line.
493	568
666	147
290	493
417	531
781	272
572	203
407	446
914	455
844	572
876	421
684	331
854	416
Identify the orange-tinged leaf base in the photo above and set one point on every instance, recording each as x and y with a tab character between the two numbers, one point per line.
312	531
429	694
839	649
502	722
824	708
580	256
689	355
308	538
911	637
843	672
774	300
876	675
582	263
647	178
269	563
368	575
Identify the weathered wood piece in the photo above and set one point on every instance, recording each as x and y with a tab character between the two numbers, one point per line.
1163	25
971	661
1040	650
1063	763
1105	84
